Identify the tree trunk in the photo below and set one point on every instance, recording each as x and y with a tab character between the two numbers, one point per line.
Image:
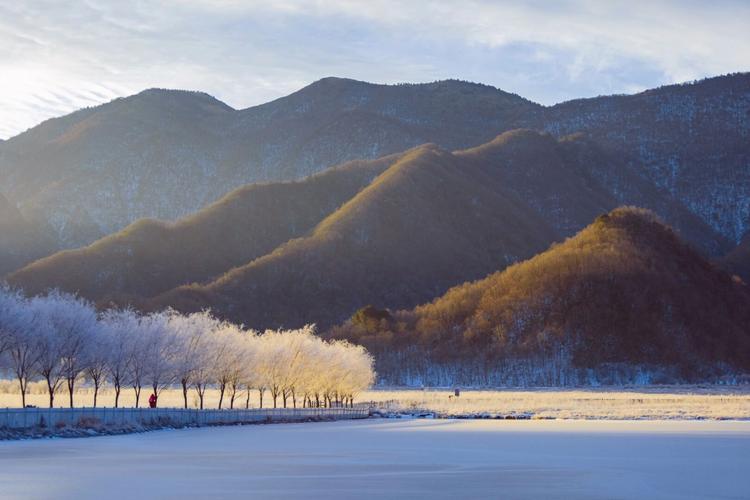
247	401
117	394
137	389
96	390
260	394
283	397
23	392
232	395
184	391
294	399
71	386
51	391
221	394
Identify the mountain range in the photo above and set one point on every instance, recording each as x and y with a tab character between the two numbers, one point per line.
165	154
393	232
344	194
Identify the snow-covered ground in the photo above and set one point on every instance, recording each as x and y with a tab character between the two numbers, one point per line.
392	459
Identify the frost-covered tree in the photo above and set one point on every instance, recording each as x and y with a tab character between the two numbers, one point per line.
137	347
290	363
192	332
73	322
19	350
226	345
161	348
97	366
117	330
59	337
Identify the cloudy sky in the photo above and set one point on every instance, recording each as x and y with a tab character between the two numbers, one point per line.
58	56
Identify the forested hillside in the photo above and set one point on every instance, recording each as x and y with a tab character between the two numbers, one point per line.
150	256
394	232
623	301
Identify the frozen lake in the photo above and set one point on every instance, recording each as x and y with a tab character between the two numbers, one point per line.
392	459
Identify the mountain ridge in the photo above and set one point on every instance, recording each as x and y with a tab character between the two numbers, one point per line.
188	135
513	197
152	256
166	154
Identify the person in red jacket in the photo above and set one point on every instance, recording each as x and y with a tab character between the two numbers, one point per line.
152	401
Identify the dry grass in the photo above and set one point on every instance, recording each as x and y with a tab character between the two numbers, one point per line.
10	398
656	402
672	402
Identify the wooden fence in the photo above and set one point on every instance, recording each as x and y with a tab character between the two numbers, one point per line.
20	418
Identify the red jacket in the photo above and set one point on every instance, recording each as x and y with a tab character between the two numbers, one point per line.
152	401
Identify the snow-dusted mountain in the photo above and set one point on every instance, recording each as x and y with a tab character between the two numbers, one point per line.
165	153
691	140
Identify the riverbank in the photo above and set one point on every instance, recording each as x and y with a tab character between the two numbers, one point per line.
30	423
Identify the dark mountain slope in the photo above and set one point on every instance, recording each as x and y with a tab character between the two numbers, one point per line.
738	260
150	257
691	140
533	166
625	291
20	240
628	187
425	223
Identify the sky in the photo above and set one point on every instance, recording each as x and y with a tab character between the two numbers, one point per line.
59	56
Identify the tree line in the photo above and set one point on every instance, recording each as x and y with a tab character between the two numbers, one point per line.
62	339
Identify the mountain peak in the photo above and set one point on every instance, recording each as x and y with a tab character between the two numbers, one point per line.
177	96
450	85
639	226
517	138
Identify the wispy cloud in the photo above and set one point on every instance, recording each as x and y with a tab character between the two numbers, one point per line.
58	56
